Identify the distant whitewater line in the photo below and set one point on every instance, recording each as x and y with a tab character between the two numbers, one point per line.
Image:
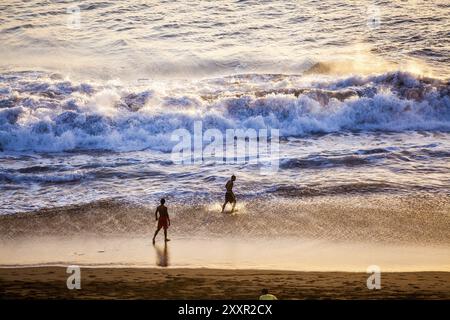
43	112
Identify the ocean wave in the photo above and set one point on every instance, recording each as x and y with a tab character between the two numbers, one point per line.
369	218
40	178
290	191
42	112
319	162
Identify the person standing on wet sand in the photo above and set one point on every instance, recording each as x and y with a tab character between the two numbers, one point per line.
163	220
229	195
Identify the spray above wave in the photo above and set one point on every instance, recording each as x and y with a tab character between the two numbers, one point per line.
42	112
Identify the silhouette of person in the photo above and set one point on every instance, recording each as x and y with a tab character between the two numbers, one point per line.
265	295
229	195
163	220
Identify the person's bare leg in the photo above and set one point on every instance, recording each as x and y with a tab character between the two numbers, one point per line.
156	232
223	207
165	235
234	205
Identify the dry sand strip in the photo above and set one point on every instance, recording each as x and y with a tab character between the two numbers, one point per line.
137	283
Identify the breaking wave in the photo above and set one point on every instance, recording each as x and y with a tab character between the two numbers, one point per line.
46	113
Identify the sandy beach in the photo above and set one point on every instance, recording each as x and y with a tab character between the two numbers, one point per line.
154	283
226	257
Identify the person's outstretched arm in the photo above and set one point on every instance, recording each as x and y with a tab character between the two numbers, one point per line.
168	218
156	213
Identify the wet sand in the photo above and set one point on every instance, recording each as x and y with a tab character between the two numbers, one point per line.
163	283
216	256
384	219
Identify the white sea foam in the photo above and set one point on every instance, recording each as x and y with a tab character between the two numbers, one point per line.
43	114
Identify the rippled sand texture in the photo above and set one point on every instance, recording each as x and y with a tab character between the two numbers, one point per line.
116	283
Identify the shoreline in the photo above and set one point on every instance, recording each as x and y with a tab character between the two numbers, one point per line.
205	283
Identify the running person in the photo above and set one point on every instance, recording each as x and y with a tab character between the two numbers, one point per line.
229	195
163	220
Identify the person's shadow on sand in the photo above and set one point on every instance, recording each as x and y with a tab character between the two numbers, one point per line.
162	255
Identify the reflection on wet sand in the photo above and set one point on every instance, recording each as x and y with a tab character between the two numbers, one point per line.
292	253
162	255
